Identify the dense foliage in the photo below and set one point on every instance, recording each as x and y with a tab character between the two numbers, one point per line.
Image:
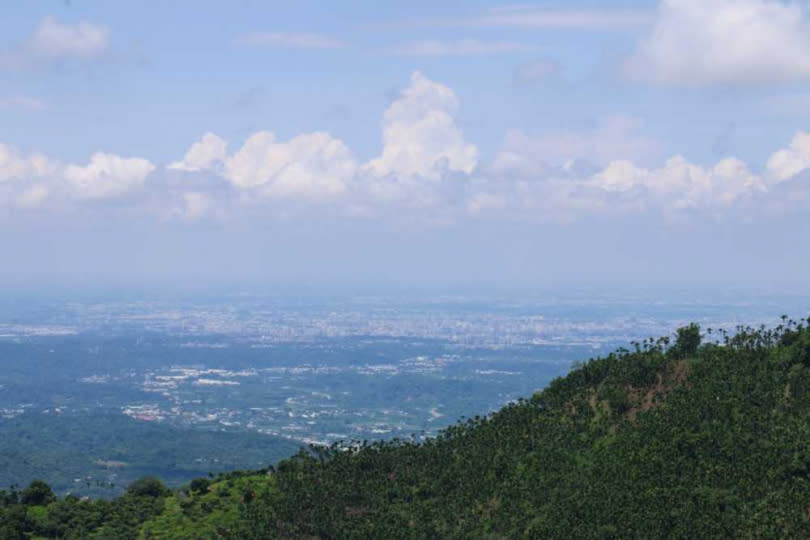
705	436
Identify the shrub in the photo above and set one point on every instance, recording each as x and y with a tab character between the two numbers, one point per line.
148	486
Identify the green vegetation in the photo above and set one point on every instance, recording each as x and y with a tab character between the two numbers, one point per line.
706	436
100	454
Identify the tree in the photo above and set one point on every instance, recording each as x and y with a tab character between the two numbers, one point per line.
37	493
687	341
148	486
200	485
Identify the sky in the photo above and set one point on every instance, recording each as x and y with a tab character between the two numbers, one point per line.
416	144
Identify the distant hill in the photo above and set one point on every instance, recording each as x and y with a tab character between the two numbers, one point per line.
701	436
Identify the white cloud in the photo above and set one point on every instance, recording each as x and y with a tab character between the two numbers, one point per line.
107	175
22	102
621	175
464	47
732	180
420	135
704	42
54	42
312	166
203	155
30	179
680	184
14	165
290	40
791	161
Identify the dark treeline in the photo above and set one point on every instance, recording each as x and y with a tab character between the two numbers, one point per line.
698	436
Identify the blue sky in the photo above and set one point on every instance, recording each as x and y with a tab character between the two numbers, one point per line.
180	65
429	143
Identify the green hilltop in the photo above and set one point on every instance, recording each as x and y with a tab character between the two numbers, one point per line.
698	436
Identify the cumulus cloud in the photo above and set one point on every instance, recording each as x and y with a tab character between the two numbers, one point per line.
704	42
30	179
205	154
107	175
53	41
420	134
421	145
14	165
680	184
56	40
19	177
311	166
791	161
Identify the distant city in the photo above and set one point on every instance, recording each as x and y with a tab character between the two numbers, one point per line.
464	321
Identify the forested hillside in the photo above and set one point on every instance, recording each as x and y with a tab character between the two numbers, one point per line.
707	435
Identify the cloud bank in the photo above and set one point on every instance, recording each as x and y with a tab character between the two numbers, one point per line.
427	172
